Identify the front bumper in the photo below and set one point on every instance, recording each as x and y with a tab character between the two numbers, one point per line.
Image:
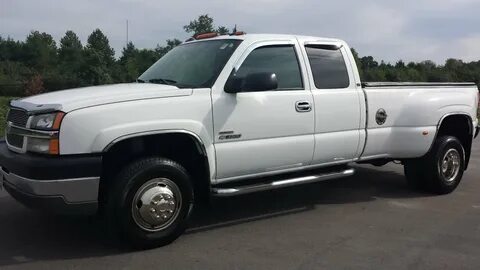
59	184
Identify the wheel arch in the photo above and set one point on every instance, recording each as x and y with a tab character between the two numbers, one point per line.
460	125
175	144
198	141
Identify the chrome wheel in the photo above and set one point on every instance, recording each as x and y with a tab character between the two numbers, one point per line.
450	165
156	204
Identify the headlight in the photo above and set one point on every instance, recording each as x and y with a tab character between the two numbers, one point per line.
46	121
46	138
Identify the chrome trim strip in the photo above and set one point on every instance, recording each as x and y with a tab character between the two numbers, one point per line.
32	133
223	192
74	190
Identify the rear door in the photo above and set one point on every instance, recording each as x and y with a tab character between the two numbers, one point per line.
337	101
259	133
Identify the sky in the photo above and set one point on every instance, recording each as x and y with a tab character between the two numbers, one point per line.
411	30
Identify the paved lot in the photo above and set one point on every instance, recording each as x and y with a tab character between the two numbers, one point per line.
369	221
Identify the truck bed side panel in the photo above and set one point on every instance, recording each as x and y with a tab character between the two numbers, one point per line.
413	115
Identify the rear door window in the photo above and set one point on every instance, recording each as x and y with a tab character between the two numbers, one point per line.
328	67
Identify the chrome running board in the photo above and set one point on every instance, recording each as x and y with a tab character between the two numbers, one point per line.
238	190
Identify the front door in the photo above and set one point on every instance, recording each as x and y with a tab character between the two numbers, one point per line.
263	132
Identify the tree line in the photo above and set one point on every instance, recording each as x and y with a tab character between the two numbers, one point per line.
39	64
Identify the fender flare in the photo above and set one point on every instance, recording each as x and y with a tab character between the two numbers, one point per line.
470	131
197	139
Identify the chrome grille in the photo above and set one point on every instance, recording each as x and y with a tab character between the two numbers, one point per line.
17	117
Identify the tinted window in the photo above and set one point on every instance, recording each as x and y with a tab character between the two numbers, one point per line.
328	68
281	60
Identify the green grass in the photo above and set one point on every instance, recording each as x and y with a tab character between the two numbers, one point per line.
4	102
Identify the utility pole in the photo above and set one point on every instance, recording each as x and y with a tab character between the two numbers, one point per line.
127	35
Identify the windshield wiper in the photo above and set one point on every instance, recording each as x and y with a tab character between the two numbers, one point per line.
166	81
162	81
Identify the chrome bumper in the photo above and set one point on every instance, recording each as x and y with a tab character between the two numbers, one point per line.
75	190
66	196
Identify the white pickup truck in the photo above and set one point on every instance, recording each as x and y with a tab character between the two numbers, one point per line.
228	115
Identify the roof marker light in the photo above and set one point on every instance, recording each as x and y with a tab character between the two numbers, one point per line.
205	35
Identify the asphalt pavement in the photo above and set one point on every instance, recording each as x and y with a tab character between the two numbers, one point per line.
368	221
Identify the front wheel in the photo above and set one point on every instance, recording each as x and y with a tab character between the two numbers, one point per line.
441	170
150	202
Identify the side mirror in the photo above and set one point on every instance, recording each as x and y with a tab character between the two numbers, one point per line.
263	81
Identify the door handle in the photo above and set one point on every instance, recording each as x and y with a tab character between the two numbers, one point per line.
303	106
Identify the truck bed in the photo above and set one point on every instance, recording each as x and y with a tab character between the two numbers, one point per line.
412	112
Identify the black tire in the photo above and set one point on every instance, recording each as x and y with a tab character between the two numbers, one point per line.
426	173
120	202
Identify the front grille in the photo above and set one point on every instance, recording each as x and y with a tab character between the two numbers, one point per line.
15	140
17	117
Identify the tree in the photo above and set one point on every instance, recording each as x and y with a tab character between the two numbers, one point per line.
222	30
171	43
98	44
400	65
204	24
134	62
357	61
128	52
128	63
70	50
99	59
40	51
71	63
11	50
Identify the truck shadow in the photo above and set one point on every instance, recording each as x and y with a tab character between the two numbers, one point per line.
368	184
27	236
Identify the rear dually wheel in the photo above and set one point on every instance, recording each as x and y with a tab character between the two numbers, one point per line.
441	170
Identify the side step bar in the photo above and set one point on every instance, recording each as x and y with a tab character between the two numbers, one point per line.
233	191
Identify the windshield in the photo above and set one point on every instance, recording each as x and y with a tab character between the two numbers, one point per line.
192	65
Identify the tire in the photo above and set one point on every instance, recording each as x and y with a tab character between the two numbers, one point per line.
146	184
441	170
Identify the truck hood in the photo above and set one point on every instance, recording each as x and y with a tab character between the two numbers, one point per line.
69	100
